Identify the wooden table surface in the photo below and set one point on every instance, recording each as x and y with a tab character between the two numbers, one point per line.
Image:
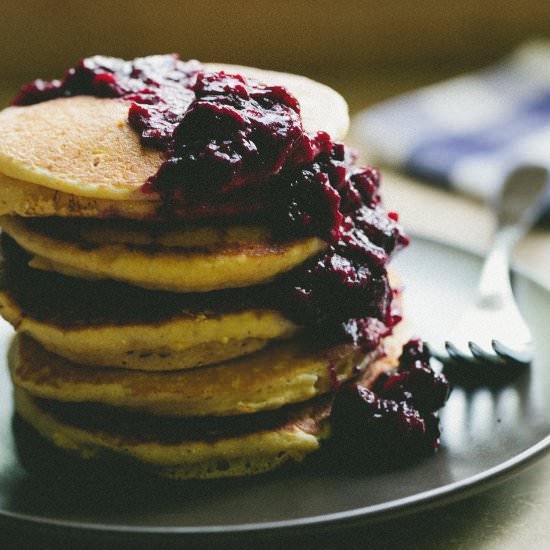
515	513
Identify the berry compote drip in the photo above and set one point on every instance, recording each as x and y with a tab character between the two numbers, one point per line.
159	88
397	419
236	147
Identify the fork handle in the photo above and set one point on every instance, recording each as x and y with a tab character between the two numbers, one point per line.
518	205
495	290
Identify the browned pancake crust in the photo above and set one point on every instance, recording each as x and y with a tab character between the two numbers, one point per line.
276	442
283	373
69	302
83	145
139	427
57	245
190	448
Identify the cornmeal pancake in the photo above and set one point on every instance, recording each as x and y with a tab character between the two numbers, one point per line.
146	334
84	145
283	373
173	261
106	323
181	448
31	200
180	343
321	107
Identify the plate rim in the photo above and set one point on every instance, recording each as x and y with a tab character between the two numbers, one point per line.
367	514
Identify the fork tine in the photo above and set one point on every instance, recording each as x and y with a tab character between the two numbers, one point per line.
455	354
479	369
481	355
438	354
512	356
461	370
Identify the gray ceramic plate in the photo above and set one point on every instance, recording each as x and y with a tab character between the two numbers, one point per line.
487	434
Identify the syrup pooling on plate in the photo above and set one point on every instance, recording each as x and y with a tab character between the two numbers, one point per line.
239	144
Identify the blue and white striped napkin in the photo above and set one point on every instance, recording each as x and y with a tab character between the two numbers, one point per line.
469	132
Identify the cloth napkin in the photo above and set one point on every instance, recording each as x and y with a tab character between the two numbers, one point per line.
467	133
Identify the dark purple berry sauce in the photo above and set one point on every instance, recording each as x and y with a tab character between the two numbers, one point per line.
236	132
397	418
159	87
235	147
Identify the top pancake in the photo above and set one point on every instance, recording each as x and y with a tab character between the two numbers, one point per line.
84	146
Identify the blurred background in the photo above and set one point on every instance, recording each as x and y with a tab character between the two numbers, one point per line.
368	49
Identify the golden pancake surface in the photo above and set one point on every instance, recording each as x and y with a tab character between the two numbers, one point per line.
84	146
30	200
285	372
60	246
261	447
105	323
183	447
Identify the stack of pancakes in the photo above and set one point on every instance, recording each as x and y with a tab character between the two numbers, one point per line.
150	339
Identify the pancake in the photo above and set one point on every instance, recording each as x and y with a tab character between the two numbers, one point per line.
31	200
151	340
181	343
321	107
188	448
239	259
106	323
84	145
111	324
283	373
170	448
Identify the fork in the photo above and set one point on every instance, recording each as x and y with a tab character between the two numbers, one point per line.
492	333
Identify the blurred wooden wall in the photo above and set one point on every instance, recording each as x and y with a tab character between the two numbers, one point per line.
41	37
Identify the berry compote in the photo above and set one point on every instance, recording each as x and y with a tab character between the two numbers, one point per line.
397	419
234	146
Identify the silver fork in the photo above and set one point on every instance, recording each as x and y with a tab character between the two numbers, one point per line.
492	332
